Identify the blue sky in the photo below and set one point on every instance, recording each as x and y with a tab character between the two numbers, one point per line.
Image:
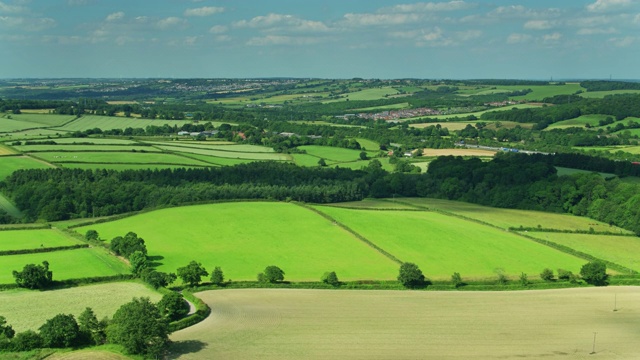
459	39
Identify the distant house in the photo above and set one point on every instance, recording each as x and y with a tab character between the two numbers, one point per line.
183	133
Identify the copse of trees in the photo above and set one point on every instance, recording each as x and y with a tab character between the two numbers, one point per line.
34	276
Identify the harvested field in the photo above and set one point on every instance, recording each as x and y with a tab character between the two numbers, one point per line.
457	152
317	324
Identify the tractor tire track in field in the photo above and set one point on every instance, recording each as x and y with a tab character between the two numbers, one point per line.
352	232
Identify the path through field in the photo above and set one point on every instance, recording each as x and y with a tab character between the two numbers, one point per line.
322	324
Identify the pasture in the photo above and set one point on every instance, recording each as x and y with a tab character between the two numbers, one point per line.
25	309
116	157
244	238
67	264
441	245
593	120
334	154
622	250
320	324
225	153
111	122
601	94
506	218
33	239
9	164
17	122
457	152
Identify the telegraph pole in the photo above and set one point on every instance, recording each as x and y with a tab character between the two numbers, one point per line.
593	350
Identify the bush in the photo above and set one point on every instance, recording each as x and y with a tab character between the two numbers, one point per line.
192	273
26	341
330	278
91	235
524	279
546	274
217	276
564	274
60	331
410	275
594	273
34	276
271	274
157	279
456	279
173	306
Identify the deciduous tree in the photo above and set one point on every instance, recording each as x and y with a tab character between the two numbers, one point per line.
410	275
34	276
192	273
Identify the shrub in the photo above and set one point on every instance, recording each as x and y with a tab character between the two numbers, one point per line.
330	278
271	274
60	331
91	235
546	274
594	273
524	279
192	273
26	341
410	275
564	274
456	279
173	306
217	276
34	276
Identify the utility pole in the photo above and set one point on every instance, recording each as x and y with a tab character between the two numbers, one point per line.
593	350
615	302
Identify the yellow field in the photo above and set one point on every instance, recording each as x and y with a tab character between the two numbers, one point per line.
6	151
457	152
325	324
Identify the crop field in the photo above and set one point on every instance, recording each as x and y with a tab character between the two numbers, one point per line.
457	152
9	164
601	94
93	140
217	161
225	153
39	133
110	122
4	150
384	107
442	245
79	148
622	250
375	204
505	218
33	239
334	153
366	94
479	113
542	91
581	121
26	309
317	324
31	121
244	238
67	264
116	157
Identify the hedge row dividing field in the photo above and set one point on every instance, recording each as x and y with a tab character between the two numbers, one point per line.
33	239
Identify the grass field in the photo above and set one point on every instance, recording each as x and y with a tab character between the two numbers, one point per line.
94	140
33	239
442	245
111	122
601	94
116	157
67	264
9	123
333	153
581	121
622	250
457	152
25	309
505	218
244	238
76	148
226	154
9	164
317	324
366	94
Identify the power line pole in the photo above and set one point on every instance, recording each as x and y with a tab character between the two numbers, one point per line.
593	350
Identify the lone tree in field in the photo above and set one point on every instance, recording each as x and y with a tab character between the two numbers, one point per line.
217	276
330	278
34	276
192	273
410	275
140	328
456	279
594	273
546	274
271	274
91	235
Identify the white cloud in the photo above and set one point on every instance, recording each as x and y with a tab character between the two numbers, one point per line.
468	35
590	21
596	31
30	24
203	11
11	9
636	19
430	6
518	38
607	5
170	22
539	25
218	29
357	20
190	40
282	22
222	38
115	16
552	38
623	42
519	11
282	40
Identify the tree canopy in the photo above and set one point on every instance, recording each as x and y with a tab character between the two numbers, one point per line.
34	276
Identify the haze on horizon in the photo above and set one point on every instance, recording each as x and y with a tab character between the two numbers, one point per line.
326	39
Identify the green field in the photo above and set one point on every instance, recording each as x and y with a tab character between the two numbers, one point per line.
506	218
225	154
316	324
120	167
116	157
244	238
76	148
601	94
25	309
369	145
568	171
10	123
92	140
9	164
111	122
622	250
366	94
33	239
333	153
67	264
442	245
581	121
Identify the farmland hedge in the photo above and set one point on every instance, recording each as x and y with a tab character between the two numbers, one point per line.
42	250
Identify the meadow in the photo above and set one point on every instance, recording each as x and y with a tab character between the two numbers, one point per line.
320	324
334	154
506	218
116	157
17	122
33	239
244	238
593	120
66	264
111	122
441	245
26	309
621	250
9	164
